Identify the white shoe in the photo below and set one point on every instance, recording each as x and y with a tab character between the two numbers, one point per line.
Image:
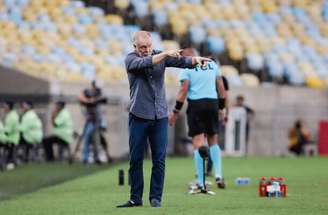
194	184
10	166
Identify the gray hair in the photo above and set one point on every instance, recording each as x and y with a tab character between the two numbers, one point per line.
139	34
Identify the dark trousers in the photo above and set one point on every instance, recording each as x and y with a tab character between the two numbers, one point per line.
48	144
297	149
29	148
104	145
11	150
156	132
7	154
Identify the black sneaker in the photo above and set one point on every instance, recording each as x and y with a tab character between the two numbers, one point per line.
129	204
220	183
155	203
98	162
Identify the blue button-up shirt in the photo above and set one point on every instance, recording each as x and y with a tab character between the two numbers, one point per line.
147	89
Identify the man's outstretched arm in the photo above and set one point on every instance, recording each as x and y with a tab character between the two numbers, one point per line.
135	63
186	62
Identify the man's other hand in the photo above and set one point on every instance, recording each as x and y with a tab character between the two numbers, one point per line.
172	118
202	61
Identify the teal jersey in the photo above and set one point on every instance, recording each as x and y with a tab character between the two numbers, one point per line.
202	81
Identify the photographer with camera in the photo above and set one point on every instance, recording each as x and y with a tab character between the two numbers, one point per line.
91	99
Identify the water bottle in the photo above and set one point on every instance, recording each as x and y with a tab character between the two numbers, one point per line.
242	181
262	186
121	177
276	189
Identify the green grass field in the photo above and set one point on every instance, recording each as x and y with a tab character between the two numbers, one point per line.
99	193
29	178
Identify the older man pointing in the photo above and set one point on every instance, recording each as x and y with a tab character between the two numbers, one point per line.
148	113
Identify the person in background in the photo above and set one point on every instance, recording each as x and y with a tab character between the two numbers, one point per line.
91	99
31	130
250	113
11	129
298	138
62	122
3	140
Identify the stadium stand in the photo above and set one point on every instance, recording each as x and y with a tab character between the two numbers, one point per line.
279	40
283	41
65	40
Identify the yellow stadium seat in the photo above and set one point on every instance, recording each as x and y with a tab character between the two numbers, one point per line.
170	44
116	73
323	50
307	69
268	6
250	80
114	19
121	4
252	50
179	27
81	10
115	47
287	58
324	29
236	53
65	31
55	13
315	82
302	4
229	71
70	20
92	31
190	18
62	2
264	44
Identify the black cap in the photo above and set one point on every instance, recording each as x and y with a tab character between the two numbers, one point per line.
61	103
28	103
10	104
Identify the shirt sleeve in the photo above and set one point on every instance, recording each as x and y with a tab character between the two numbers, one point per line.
217	69
60	119
182	62
23	124
136	64
30	122
184	75
10	124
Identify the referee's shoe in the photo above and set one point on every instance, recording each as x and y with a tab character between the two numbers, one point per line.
220	183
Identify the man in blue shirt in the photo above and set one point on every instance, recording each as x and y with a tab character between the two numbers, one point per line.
204	88
148	117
